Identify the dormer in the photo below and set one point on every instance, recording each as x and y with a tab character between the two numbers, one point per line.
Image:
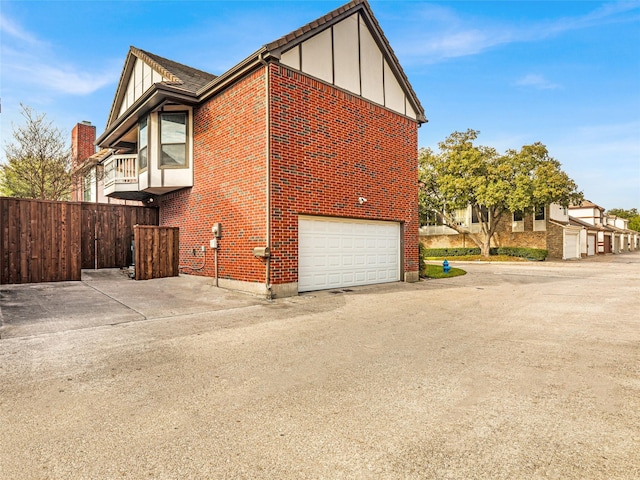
150	127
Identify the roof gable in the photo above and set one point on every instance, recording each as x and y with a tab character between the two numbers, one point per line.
348	48
142	70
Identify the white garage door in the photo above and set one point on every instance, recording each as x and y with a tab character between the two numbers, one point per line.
591	245
335	253
571	242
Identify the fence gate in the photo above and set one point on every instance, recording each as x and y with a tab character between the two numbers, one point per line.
157	252
46	241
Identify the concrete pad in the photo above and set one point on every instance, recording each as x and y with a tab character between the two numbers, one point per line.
108	297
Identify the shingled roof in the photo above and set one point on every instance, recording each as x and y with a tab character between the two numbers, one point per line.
196	85
188	78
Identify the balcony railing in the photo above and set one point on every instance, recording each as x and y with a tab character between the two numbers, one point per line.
121	169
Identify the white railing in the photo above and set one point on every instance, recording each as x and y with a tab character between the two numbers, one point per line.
120	169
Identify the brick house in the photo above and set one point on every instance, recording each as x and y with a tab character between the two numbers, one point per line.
549	228
295	170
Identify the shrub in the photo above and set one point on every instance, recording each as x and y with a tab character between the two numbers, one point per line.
450	252
423	257
537	254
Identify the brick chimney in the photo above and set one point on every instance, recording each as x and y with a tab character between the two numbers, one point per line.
83	136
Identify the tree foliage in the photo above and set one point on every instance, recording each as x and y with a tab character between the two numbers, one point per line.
38	160
463	174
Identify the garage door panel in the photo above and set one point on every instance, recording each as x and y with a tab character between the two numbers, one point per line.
346	252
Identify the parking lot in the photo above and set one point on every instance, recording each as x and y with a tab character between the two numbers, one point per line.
516	370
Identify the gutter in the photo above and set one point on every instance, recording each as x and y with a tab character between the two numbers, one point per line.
268	174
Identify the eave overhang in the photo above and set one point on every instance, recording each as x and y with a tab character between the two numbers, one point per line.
153	98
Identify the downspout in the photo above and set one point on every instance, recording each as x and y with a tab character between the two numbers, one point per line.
268	175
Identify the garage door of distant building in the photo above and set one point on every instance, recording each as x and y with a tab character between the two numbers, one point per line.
341	252
571	243
591	245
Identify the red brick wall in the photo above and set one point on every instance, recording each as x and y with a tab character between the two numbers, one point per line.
328	148
82	138
229	184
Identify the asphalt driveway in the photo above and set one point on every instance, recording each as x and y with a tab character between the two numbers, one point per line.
511	371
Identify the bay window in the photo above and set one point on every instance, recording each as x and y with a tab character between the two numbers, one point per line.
173	139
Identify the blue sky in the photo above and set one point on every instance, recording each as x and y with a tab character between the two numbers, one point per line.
566	74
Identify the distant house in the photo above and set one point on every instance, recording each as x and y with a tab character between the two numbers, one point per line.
548	227
612	233
295	170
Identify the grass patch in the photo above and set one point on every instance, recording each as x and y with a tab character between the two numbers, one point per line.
435	271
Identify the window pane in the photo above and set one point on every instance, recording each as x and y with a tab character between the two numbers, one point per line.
142	159
173	155
173	128
142	140
518	216
539	213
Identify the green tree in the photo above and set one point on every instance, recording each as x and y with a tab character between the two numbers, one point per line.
38	160
463	174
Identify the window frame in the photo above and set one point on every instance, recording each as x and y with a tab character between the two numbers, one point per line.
185	114
539	224
146	147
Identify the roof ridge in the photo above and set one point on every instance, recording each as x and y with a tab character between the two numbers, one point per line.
148	58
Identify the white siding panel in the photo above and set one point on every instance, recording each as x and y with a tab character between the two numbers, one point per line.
317	56
346	55
337	253
146	77
393	94
156	77
137	78
371	66
410	112
291	58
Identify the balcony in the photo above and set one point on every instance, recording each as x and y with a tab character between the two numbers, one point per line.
121	178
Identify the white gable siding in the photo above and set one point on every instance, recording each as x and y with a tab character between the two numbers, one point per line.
141	78
371	66
317	56
348	56
393	94
409	111
291	58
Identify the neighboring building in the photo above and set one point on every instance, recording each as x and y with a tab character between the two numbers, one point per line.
86	167
547	228
613	234
299	164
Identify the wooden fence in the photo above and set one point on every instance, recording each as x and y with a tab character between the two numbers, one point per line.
44	241
157	252
40	241
107	233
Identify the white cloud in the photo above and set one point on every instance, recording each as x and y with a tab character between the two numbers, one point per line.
448	35
536	81
31	61
12	29
604	160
